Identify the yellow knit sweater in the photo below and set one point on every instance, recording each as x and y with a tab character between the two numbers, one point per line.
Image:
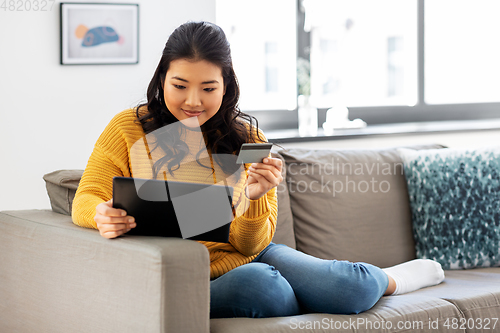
115	154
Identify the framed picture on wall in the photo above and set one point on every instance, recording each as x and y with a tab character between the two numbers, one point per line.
101	33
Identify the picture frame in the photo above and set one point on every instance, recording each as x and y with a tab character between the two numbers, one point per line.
99	33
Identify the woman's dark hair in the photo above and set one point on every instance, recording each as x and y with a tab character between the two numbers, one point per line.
228	128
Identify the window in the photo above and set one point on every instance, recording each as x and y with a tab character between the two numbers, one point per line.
272	67
363	52
387	60
262	34
462	57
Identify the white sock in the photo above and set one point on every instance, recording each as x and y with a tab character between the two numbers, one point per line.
415	274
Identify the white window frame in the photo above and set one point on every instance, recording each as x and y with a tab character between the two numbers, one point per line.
420	112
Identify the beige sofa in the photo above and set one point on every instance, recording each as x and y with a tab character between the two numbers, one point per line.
58	277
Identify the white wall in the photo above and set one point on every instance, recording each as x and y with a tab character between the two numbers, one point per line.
51	115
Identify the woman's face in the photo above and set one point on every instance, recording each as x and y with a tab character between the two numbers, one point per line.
193	90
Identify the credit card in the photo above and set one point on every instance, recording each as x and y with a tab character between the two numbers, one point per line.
253	152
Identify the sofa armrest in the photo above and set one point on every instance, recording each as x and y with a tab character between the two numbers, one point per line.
58	277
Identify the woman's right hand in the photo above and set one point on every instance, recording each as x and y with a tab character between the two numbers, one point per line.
112	222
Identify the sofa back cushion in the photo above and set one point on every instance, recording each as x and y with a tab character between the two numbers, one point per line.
284	226
350	204
61	188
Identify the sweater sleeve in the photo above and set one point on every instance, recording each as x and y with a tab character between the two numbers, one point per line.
108	159
255	223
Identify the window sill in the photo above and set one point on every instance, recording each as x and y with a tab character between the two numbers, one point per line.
292	135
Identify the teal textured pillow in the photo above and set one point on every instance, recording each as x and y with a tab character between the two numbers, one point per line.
455	205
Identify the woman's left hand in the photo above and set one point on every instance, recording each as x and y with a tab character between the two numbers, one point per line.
262	177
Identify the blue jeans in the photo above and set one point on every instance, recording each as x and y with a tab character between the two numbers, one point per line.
281	281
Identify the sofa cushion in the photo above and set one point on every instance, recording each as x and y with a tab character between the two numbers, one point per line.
61	188
405	313
350	204
284	227
476	292
455	203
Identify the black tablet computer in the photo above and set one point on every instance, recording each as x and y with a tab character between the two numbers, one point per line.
176	209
